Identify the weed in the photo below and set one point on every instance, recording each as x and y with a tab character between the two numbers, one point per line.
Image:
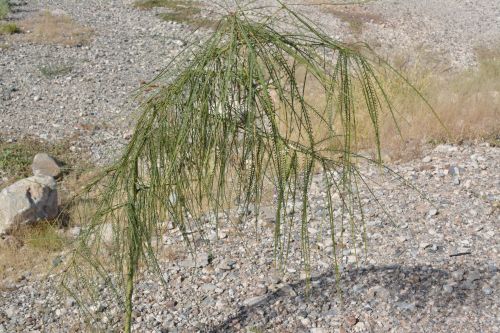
4	8
9	29
54	70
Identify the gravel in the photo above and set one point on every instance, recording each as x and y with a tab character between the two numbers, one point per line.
92	104
432	267
425	271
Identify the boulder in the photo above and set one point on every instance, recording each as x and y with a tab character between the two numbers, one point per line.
27	201
44	165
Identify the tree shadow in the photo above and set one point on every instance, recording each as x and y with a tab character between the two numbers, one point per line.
405	291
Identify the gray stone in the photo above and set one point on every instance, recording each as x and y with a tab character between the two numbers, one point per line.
433	212
28	201
208	287
44	165
487	291
448	288
319	330
201	260
227	265
254	300
405	306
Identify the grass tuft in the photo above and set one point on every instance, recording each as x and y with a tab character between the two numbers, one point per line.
4	8
54	70
9	29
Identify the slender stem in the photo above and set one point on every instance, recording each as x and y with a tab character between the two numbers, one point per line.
134	247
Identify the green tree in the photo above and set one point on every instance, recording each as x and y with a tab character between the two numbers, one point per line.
257	106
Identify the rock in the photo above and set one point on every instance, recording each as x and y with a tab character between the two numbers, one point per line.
487	291
433	212
201	260
44	165
319	330
448	288
28	201
427	159
351	320
254	300
227	265
360	327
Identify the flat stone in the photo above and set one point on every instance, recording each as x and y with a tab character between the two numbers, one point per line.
201	260
254	300
45	165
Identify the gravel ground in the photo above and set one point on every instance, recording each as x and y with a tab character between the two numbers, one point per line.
433	269
92	106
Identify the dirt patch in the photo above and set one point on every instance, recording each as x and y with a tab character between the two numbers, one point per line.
55	28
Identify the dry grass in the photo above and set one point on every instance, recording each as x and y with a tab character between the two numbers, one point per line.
467	103
186	12
49	28
354	15
30	251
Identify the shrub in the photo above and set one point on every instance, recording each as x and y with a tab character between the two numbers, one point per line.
9	29
230	120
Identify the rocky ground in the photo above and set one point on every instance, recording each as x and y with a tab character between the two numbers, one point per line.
92	103
434	268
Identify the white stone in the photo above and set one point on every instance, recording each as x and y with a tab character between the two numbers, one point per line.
28	201
44	165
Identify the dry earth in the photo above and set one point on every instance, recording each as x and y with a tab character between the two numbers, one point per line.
435	269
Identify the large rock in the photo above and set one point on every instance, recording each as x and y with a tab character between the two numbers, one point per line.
44	165
28	201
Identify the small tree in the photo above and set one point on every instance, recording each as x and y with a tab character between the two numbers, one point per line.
255	106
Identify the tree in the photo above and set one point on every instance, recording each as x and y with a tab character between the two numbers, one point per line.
256	106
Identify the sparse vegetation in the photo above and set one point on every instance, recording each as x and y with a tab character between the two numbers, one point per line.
355	16
16	157
467	101
53	70
187	12
46	27
4	8
9	29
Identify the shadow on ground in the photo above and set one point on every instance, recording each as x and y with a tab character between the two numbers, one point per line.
404	292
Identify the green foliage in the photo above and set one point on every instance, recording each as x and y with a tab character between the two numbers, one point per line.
15	159
9	29
187	12
230	121
4	8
